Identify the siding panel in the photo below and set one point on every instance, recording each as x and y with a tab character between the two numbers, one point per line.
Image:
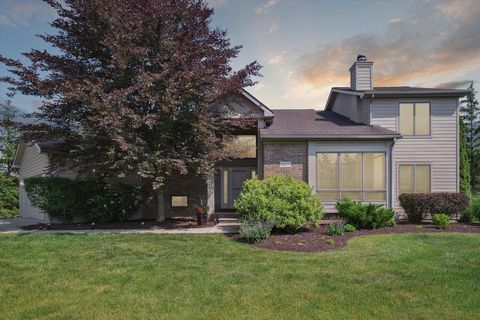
33	164
439	150
351	107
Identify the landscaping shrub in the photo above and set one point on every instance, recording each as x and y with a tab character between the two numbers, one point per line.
334	229
441	220
369	216
117	203
53	195
65	198
349	228
288	202
473	210
255	229
419	206
8	196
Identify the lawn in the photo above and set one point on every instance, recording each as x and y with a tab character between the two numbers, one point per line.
112	276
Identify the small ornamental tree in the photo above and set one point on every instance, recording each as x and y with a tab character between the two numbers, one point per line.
470	110
130	88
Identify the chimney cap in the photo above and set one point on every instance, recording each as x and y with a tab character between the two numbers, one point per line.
361	58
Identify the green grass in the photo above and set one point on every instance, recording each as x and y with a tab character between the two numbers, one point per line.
111	276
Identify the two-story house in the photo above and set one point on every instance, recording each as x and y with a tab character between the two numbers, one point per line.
369	144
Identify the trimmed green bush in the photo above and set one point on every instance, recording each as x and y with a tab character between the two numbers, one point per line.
334	229
8	196
53	195
419	206
254	230
368	216
441	220
66	198
349	227
473	210
117	203
288	202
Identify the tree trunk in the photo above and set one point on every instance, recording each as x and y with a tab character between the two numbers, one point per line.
160	205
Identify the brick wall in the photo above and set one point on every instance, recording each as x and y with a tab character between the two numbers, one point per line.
295	152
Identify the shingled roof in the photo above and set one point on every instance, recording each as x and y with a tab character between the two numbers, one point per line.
309	123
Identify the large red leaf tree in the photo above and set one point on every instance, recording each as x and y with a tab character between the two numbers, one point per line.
128	88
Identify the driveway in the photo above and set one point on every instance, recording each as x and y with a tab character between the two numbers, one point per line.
14	224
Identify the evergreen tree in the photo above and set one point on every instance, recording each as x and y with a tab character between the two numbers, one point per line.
465	181
8	136
470	115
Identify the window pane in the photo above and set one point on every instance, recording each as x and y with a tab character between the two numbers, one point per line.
406	118
374	196
327	195
225	186
350	171
374	171
352	195
422	119
422	177
406	179
180	201
327	171
245	146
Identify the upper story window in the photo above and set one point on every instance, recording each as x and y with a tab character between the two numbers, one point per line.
244	145
414	119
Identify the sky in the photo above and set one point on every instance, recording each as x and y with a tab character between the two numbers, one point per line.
307	47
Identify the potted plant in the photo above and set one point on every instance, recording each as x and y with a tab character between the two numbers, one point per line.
202	212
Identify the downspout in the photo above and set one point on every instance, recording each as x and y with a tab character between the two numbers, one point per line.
390	176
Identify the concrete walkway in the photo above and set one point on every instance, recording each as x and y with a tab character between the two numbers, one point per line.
14	226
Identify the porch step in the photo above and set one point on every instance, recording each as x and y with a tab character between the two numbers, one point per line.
226	214
228	220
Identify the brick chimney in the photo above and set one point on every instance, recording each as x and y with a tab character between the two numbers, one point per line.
361	74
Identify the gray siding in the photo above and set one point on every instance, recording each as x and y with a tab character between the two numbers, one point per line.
33	164
351	107
438	150
363	78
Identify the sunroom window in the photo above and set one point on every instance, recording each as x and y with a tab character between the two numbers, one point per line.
357	176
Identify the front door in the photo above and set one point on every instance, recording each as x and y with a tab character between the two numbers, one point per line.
232	183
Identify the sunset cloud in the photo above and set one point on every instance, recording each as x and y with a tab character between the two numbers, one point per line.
276	58
462	84
440	38
265	8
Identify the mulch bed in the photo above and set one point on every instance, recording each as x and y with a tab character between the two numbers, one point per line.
136	224
313	240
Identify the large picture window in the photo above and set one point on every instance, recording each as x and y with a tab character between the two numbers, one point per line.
357	176
414	119
245	146
414	178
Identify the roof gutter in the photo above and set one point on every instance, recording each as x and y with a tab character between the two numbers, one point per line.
330	137
415	93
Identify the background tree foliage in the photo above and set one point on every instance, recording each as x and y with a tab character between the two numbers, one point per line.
470	115
131	88
9	134
465	180
8	141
